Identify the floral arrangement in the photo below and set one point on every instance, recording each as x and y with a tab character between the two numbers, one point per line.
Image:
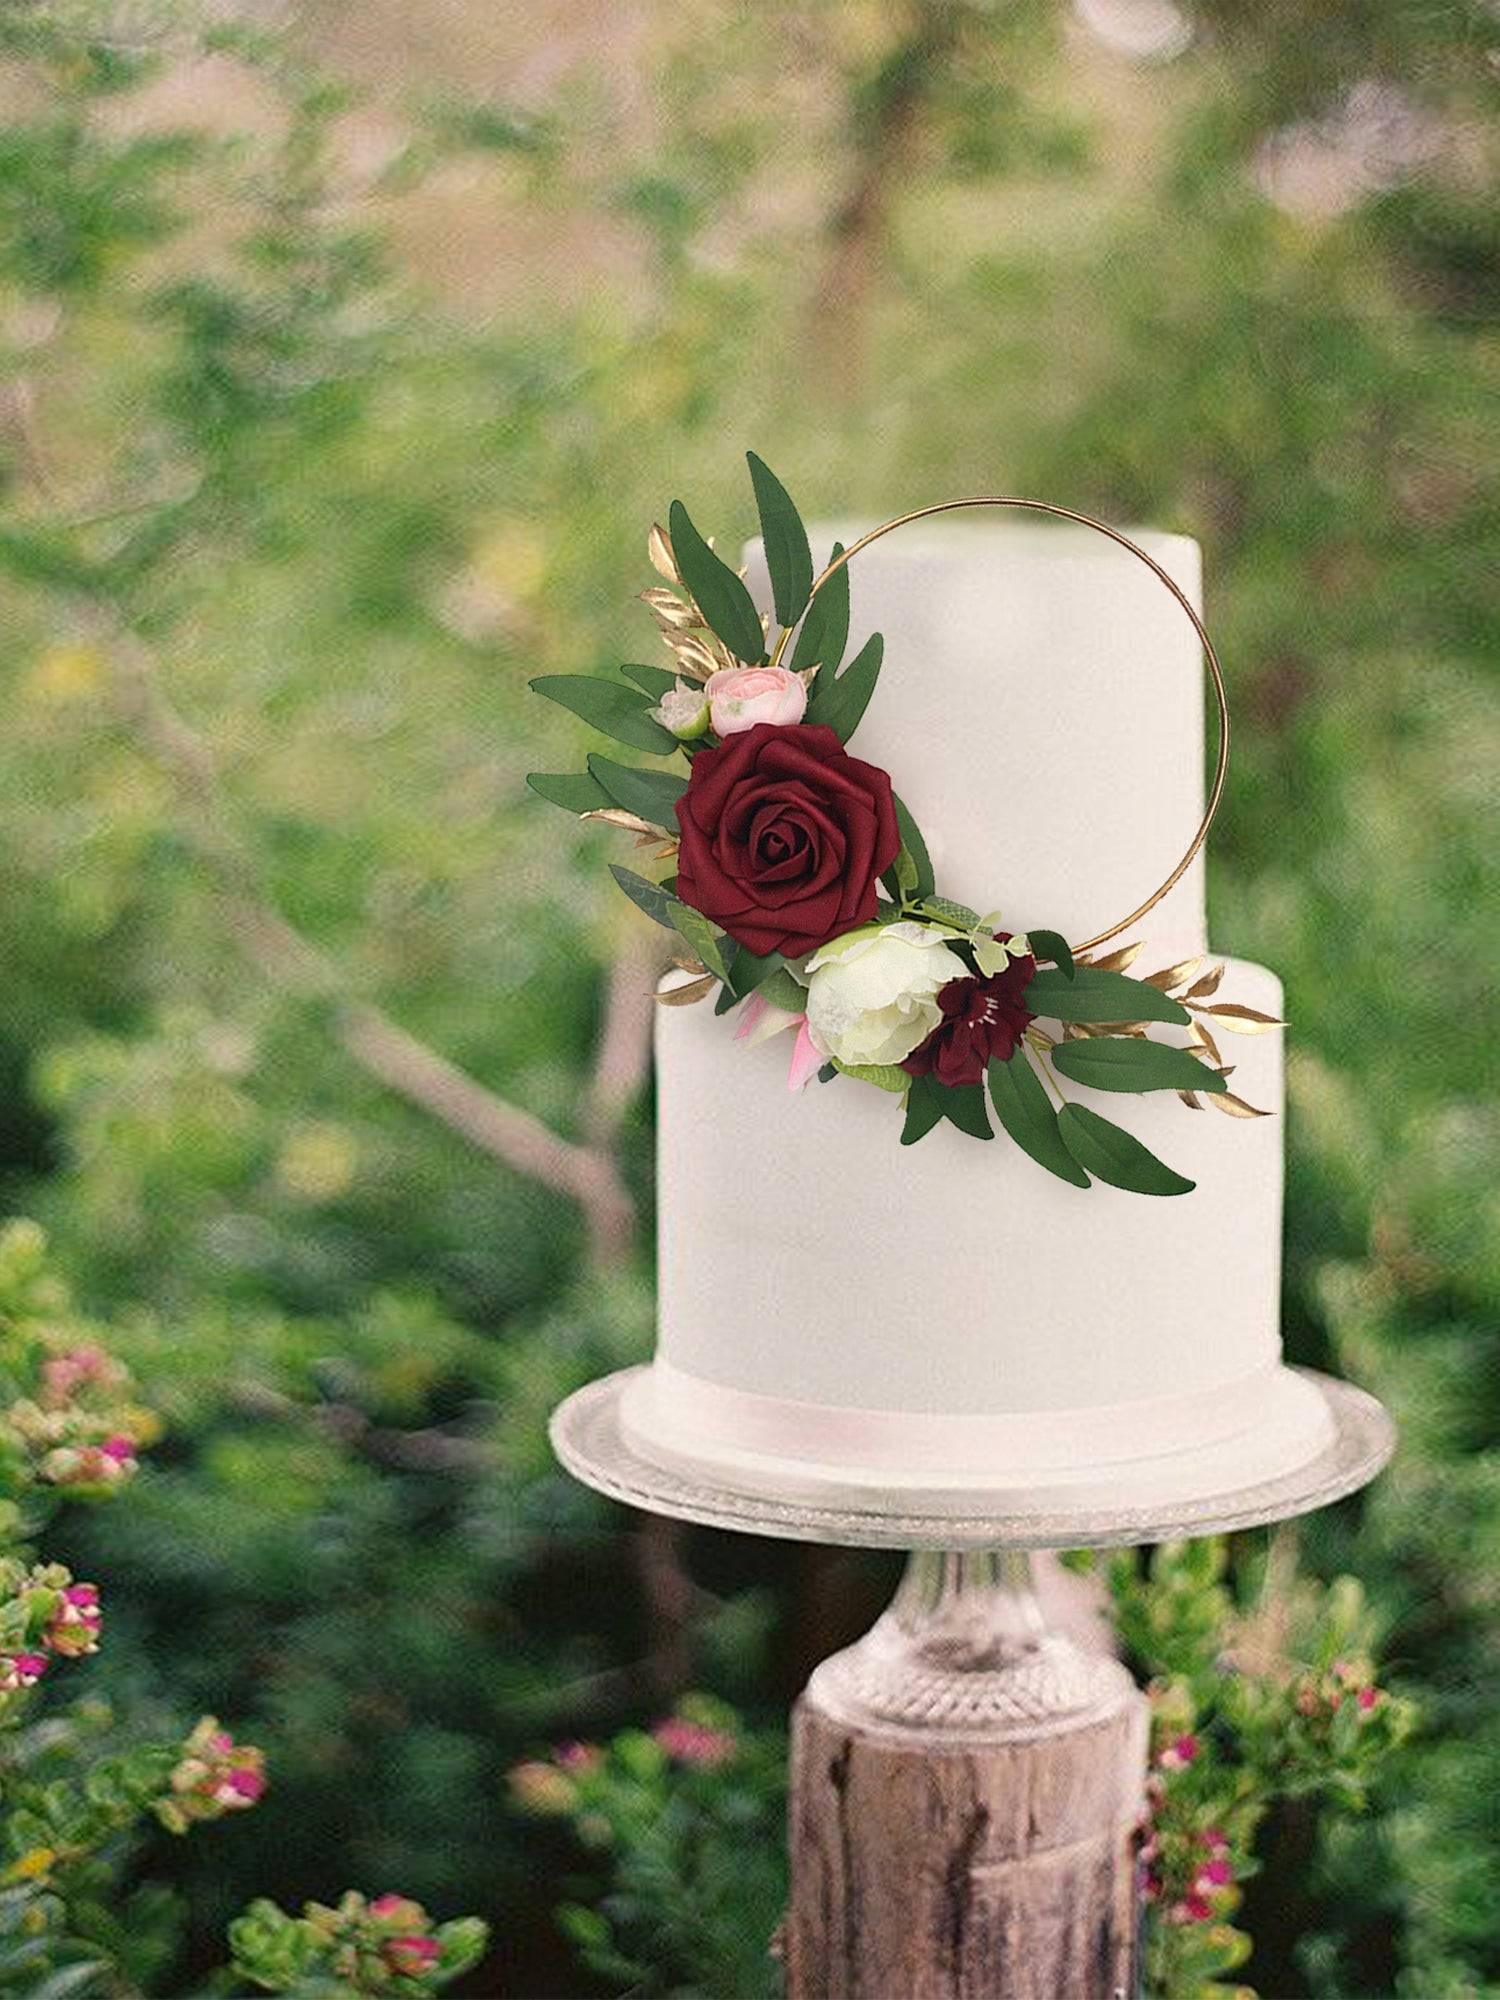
803	890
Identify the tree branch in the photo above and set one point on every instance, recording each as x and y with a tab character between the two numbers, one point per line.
379	1045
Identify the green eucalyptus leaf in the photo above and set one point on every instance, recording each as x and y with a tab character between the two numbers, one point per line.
827	1073
1122	1062
923	1110
651	897
839	704
610	706
1114	1155
788	557
655	681
574	791
1092	995
649	794
719	594
825	629
1053	945
884	1076
704	937
1025	1111
963	1106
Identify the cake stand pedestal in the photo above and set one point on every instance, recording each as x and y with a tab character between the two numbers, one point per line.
965	1799
966	1781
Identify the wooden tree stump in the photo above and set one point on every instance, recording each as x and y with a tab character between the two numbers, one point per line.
966	1787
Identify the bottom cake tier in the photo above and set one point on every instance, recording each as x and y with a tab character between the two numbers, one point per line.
841	1316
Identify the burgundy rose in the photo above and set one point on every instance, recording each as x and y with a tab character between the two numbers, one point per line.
783	836
983	1019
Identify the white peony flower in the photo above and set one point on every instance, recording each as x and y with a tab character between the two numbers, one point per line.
871	994
683	710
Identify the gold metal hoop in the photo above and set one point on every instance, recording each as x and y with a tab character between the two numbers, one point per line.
1211	658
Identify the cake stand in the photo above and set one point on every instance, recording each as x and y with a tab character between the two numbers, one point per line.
966	1780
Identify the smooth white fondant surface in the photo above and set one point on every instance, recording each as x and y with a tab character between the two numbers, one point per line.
806	1254
1040	710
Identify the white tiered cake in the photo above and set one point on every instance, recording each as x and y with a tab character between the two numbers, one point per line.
847	1321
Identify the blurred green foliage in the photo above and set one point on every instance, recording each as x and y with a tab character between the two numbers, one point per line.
341	376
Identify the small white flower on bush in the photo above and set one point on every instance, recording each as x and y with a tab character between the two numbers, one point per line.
871	994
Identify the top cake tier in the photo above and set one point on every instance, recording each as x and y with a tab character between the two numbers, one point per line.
1040	711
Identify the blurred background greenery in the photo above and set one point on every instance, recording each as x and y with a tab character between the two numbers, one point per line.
346	355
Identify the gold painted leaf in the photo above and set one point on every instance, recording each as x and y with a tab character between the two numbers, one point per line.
1235	1107
1207	985
1200	1041
632	822
1243	1020
659	548
1173	975
693	657
669	610
1117	961
686	962
1190	1099
684	996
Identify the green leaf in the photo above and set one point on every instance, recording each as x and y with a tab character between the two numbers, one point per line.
825	629
1025	1111
752	969
1115	1155
963	1106
884	1076
649	794
718	592
574	791
788	557
903	872
611	706
1124	1063
923	1110
702	936
827	1073
1053	945
782	991
1092	995
916	847
648	896
841	703
940	906
656	681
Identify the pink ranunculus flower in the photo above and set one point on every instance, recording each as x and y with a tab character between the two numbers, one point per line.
740	697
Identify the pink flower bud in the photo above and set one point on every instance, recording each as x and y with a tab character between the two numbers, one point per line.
411	1955
1368	1698
578	1756
1178	1753
693	1743
400	1910
740	697
21	1670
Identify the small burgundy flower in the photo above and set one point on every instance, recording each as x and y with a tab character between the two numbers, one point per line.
983	1019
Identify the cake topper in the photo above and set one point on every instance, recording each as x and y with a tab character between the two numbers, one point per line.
804	892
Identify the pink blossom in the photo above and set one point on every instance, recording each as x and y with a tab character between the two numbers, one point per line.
578	1756
411	1955
741	697
1191	1910
76	1623
1178	1753
21	1670
1368	1698
1213	1875
63	1375
694	1743
391	1909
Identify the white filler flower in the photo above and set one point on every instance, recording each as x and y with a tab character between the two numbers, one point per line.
870	994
